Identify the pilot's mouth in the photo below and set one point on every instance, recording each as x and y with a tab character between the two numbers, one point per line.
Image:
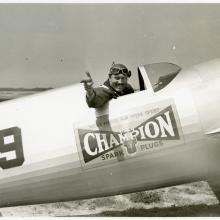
120	86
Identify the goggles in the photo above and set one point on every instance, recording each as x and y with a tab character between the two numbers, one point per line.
116	70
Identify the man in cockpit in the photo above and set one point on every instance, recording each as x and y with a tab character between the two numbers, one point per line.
116	85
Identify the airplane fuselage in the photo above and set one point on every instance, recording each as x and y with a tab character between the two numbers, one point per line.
54	148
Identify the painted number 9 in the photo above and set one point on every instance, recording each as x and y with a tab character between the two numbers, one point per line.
11	149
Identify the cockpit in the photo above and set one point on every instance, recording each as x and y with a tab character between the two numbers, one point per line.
154	77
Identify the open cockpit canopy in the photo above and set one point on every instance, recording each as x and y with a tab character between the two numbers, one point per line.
154	77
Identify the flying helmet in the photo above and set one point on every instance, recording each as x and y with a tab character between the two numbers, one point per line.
119	68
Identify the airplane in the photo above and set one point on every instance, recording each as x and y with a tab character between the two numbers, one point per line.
53	147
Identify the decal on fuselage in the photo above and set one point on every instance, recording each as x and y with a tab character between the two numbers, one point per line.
139	131
11	148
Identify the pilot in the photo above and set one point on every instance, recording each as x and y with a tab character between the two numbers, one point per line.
116	85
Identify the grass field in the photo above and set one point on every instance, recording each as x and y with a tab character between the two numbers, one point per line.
10	93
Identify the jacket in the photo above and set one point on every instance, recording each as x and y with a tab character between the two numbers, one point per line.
104	93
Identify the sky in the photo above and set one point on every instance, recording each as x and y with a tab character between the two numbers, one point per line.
52	45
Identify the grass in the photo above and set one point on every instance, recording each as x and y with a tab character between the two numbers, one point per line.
100	202
189	211
145	197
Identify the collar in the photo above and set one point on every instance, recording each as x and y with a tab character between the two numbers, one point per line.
107	83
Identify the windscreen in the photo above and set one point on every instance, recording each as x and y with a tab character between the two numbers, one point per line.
161	74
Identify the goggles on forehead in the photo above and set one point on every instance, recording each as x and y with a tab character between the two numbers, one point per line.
116	70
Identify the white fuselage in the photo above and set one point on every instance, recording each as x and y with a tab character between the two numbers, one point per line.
60	163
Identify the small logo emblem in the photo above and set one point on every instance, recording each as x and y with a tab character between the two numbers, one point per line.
130	141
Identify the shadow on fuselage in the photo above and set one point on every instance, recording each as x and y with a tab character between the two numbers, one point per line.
104	120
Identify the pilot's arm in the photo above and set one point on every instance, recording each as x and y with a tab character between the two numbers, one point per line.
95	97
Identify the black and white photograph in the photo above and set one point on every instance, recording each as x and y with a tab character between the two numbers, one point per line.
109	109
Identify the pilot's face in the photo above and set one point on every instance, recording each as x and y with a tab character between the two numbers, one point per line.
118	82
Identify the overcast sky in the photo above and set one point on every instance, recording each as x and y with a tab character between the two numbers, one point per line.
51	45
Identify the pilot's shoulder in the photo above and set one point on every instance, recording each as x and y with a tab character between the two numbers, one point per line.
103	90
103	87
129	88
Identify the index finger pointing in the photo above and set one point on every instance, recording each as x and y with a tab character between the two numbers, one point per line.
88	74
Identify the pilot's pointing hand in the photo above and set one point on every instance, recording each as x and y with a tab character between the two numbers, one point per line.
88	83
